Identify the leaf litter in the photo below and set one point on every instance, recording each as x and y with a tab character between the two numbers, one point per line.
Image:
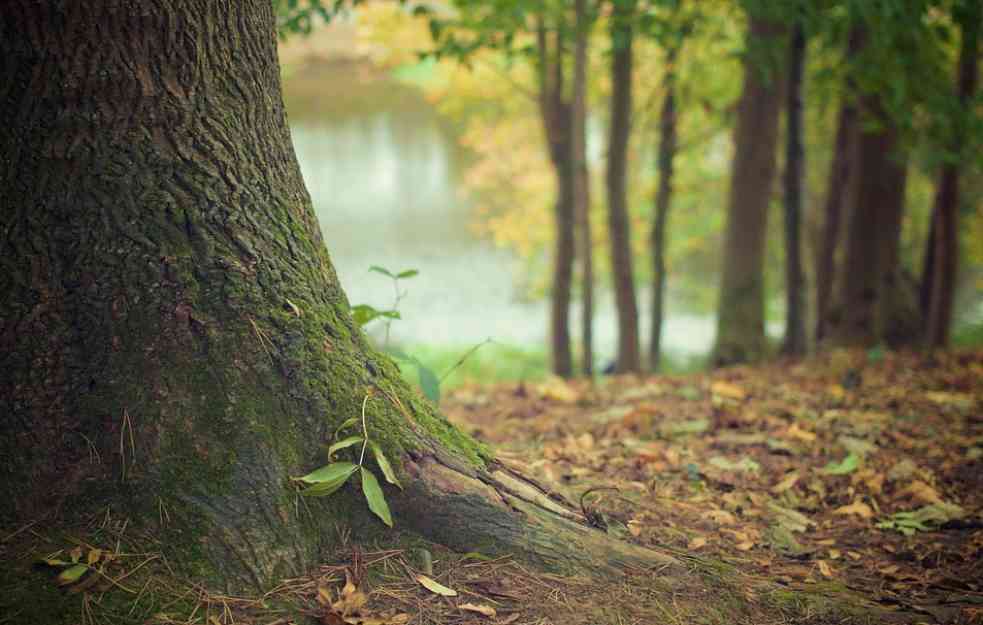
842	468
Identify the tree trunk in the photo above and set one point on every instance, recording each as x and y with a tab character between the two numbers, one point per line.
839	183
795	335
555	112
629	357
173	338
870	290
582	184
663	197
836	196
740	320
944	231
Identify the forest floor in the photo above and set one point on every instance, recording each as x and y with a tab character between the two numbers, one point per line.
847	488
857	471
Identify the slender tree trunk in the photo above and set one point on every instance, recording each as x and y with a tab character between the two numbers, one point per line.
836	197
869	291
174	341
740	319
663	197
926	285
629	357
556	116
795	335
582	184
944	231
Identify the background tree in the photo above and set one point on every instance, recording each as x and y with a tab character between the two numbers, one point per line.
942	250
837	184
174	340
795	336
583	21
619	227
740	316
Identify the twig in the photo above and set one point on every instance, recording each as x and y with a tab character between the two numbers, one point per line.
466	355
365	431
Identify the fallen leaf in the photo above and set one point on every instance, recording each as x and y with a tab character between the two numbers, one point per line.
794	431
787	482
696	543
825	568
486	610
922	492
726	389
857	508
435	587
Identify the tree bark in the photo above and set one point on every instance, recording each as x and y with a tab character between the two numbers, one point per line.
174	340
944	231
869	293
836	197
795	335
663	198
555	112
619	228
582	184
740	319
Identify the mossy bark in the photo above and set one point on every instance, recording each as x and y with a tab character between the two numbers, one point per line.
174	341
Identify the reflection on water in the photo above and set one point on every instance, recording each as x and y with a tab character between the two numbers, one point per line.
384	176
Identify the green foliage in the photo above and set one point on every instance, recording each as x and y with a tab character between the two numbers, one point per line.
331	477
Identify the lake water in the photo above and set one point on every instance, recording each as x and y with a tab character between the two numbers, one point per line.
384	173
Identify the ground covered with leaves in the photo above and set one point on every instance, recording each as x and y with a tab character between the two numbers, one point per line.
842	489
858	473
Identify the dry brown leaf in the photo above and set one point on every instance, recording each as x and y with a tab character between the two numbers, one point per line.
794	431
825	568
787	482
696	543
727	389
511	618
485	610
635	528
857	508
721	517
920	491
435	587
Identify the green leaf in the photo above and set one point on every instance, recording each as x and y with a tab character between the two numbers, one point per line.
71	575
373	495
329	473
342	444
428	382
347	423
843	467
382	270
409	273
323	490
363	313
387	469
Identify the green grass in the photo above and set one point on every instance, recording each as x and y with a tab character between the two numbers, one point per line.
489	364
494	363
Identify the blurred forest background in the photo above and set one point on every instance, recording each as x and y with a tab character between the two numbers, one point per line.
644	185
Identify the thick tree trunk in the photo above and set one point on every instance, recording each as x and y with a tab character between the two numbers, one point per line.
663	198
173	338
870	290
795	335
944	234
836	197
555	112
619	228
839	182
740	318
582	185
